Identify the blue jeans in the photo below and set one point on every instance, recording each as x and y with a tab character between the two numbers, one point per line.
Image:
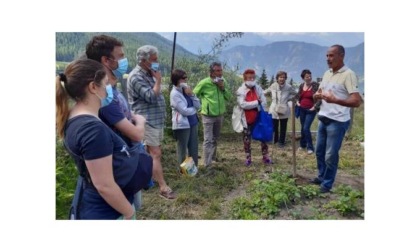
328	143
306	118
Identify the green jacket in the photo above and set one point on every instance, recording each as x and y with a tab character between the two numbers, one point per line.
212	98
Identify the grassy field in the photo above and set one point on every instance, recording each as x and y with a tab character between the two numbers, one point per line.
238	192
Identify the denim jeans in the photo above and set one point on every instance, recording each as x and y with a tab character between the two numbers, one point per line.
328	143
306	118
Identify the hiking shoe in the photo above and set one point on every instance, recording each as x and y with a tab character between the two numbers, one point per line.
267	161
248	162
315	181
310	152
324	189
168	194
281	146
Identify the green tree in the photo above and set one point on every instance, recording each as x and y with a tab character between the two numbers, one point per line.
272	79
263	81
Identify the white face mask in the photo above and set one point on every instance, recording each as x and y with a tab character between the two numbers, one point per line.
250	83
183	85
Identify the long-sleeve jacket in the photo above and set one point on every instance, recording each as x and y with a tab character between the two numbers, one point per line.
180	109
280	95
246	105
212	98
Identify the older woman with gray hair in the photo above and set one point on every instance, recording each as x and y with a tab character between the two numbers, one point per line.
144	87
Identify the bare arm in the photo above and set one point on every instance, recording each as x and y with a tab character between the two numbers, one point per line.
100	171
135	131
354	99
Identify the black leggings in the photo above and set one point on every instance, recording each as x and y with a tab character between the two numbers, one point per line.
283	129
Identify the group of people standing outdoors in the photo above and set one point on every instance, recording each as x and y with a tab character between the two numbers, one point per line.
102	124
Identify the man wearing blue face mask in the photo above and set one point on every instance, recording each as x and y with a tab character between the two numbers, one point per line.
144	85
130	127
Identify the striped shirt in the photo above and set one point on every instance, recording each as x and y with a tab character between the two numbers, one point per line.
143	99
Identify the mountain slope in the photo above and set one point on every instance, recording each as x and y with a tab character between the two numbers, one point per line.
70	45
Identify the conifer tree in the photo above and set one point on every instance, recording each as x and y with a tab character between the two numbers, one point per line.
263	81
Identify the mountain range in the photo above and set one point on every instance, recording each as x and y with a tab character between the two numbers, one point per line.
256	51
290	56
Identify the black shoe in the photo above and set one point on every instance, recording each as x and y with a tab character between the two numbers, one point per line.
324	190
315	181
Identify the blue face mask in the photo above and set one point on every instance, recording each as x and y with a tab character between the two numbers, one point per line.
109	96
122	68
155	66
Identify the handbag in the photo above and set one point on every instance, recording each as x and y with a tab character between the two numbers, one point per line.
237	119
263	129
280	109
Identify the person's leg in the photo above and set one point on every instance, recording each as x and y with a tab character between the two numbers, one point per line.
246	137
152	139
283	129
276	130
208	148
335	135
217	128
182	136
264	151
310	116
193	143
302	117
321	142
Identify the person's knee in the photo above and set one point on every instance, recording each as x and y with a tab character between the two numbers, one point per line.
155	152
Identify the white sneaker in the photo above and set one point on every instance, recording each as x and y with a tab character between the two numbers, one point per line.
310	151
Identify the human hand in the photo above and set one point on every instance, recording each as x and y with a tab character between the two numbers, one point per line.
298	103
318	94
221	84
138	120
312	109
329	97
188	91
131	217
157	75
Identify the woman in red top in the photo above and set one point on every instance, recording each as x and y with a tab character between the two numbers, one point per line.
308	109
249	96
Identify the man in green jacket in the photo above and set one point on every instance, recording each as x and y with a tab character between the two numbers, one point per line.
213	93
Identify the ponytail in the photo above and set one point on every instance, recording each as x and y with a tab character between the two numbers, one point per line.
61	105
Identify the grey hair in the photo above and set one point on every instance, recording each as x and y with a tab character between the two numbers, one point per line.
212	65
144	52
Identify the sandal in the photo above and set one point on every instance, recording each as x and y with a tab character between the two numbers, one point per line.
168	194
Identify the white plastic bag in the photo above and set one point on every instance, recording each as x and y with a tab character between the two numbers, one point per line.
236	119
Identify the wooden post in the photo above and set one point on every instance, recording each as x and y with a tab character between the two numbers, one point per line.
294	138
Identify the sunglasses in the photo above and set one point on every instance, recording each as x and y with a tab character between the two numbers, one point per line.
184	77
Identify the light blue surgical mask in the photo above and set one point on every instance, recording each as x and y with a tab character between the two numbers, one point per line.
109	96
122	68
155	66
